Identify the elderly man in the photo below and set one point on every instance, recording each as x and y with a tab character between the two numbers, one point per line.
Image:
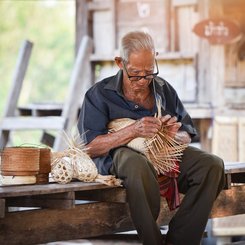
134	92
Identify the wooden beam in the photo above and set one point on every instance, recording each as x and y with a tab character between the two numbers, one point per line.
99	5
51	188
60	200
31	123
47	225
2	208
179	3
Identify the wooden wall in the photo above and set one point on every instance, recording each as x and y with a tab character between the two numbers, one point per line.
235	57
167	21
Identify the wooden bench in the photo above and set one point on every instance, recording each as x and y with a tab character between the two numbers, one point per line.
62	215
53	212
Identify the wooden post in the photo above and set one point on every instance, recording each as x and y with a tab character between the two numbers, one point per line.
19	74
82	22
2	208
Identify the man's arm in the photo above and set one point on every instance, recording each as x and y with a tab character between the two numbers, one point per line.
183	137
102	144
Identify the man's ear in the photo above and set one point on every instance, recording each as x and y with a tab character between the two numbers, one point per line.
119	63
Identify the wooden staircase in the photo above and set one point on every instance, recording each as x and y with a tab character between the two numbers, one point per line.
80	78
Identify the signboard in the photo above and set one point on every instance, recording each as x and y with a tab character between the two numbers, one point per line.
217	31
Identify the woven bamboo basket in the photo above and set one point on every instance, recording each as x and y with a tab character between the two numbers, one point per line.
163	151
20	161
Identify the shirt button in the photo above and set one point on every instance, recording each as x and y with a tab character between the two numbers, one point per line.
136	106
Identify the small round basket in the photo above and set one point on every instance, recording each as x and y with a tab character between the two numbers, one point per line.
20	161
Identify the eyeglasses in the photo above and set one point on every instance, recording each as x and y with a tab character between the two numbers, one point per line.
148	77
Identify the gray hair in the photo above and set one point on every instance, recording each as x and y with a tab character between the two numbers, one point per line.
135	41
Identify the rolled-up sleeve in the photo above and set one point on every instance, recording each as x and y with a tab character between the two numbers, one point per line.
92	120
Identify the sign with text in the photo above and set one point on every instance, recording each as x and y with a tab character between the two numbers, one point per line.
217	31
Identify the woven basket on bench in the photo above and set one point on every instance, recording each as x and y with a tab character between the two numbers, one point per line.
20	161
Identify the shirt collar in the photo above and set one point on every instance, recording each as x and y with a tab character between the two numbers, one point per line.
115	83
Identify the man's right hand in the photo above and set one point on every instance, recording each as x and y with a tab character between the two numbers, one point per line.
147	127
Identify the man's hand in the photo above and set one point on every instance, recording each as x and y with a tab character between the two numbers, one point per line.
147	127
171	124
173	127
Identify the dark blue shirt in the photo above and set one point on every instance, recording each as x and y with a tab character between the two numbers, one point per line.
104	102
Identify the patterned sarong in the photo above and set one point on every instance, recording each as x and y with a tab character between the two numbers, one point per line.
169	189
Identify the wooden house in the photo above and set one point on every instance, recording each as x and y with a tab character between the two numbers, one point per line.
201	53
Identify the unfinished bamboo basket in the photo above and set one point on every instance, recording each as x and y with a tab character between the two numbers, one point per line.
162	150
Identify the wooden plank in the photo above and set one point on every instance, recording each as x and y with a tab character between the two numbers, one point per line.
229	226
150	16
41	109
234	167
223	145
87	220
104	20
99	6
27	190
179	73
31	123
199	113
64	200
178	3
187	40
161	56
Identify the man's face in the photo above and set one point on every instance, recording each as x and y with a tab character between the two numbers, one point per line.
139	64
